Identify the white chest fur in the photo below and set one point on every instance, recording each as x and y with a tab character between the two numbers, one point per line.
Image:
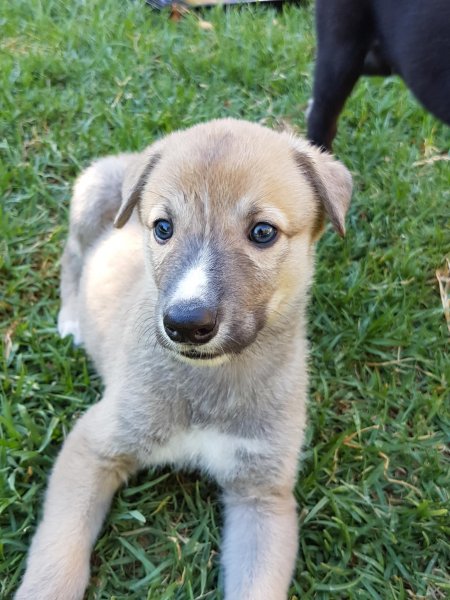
211	450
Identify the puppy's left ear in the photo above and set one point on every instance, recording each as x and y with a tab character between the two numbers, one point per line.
330	180
135	181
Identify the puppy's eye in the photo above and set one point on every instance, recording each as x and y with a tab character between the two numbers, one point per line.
263	233
163	230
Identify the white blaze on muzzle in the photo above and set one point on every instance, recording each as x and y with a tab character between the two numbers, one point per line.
192	285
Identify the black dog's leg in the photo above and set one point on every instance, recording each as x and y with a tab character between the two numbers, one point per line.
344	35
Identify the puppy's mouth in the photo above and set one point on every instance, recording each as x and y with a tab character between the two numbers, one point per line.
200	359
191	354
196	355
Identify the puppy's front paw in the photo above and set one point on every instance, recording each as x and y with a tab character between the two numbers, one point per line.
53	584
57	566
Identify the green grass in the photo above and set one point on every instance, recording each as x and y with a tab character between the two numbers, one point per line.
81	79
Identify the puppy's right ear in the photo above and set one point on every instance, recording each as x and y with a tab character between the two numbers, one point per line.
134	184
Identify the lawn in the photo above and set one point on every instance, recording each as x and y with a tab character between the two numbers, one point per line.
81	79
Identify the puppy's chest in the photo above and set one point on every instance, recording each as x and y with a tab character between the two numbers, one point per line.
220	454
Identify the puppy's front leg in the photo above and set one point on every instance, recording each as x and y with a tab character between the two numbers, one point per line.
81	486
260	545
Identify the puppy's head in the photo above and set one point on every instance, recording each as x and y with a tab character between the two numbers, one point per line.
231	212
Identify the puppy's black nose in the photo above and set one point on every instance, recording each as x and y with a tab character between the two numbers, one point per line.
194	325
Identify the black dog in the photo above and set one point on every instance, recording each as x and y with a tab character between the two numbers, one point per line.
408	37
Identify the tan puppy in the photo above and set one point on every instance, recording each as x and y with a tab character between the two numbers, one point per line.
194	314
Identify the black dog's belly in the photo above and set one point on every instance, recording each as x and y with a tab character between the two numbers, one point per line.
376	62
417	43
379	37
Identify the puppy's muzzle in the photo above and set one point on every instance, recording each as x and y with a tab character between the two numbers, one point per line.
190	324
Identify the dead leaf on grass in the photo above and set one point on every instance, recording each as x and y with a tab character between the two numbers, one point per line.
205	25
401	482
177	12
8	339
443	277
432	159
